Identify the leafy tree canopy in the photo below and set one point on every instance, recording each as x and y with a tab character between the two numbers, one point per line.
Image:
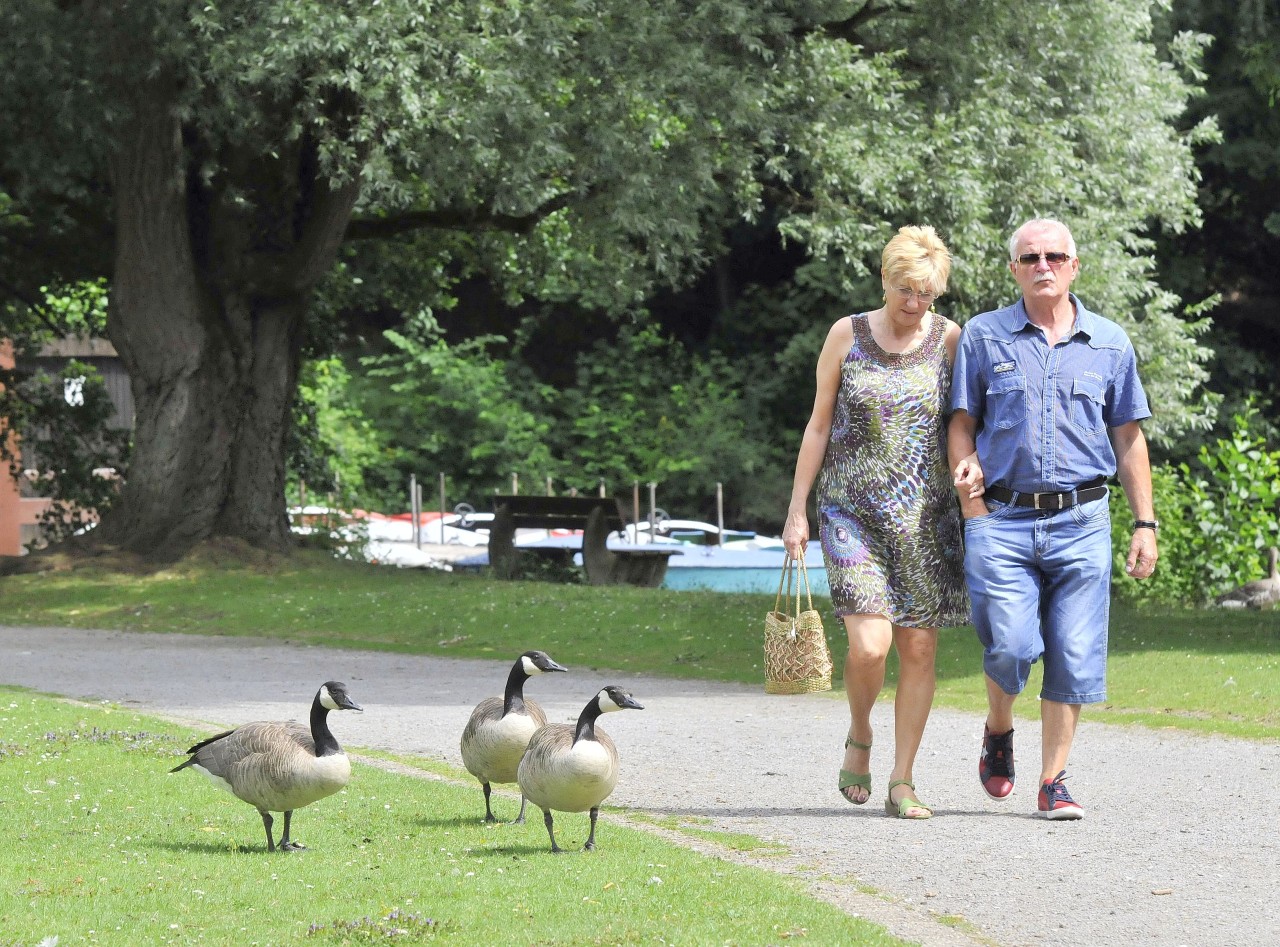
211	159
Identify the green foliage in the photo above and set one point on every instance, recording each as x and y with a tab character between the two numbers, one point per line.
452	409
76	459
1217	518
644	409
331	442
588	152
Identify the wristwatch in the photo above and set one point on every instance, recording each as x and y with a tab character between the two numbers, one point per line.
1153	525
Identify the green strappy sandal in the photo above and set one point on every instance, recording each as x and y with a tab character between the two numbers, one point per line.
903	806
847	779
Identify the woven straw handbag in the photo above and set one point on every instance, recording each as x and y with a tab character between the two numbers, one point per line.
796	657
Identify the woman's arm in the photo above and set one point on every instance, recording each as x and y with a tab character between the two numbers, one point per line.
813	446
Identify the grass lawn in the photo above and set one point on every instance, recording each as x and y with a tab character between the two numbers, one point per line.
1208	670
104	846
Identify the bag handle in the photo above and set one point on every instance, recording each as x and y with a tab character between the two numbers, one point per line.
804	576
779	604
788	573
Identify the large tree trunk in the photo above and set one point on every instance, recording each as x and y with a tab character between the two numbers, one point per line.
212	356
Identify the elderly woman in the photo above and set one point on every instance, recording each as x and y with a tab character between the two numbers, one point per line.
888	519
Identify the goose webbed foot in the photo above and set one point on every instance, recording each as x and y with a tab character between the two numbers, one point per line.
489	817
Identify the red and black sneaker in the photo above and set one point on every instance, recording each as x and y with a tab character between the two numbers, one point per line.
1055	802
995	764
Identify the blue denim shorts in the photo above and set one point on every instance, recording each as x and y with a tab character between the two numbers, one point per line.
1040	584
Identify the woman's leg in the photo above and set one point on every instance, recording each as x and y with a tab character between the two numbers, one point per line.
869	639
917	654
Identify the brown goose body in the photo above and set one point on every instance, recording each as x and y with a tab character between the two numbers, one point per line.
1260	593
574	768
279	766
570	775
271	765
494	740
499	729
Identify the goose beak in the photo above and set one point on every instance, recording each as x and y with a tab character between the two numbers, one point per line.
552	666
630	703
352	705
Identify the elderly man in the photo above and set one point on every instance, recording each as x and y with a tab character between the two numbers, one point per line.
1048	394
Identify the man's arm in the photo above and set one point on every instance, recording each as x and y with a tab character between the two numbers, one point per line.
1133	466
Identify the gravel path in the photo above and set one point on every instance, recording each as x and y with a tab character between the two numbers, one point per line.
1179	846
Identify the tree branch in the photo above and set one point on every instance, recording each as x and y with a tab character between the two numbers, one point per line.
449	218
848	28
36	309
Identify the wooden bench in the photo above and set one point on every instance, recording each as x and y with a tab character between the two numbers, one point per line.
597	517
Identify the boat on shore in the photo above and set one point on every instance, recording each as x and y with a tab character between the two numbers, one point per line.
744	562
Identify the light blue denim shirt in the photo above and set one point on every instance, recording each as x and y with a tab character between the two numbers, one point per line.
1042	412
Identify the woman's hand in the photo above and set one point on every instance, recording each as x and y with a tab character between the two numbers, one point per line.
969	480
795	534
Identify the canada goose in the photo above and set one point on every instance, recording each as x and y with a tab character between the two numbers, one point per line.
1260	592
572	768
500	727
279	766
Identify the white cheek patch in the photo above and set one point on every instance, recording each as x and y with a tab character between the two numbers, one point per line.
326	699
606	703
529	667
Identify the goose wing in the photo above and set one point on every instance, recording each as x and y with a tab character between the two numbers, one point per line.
560	773
271	765
493	743
1253	594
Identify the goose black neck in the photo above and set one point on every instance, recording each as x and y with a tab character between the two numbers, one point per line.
586	729
514	697
326	742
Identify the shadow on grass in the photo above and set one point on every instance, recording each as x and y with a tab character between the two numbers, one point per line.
456	822
211	847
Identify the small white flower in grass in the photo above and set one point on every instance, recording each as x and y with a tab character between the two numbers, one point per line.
655	880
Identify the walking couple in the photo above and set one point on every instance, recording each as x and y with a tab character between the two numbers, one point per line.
1024	416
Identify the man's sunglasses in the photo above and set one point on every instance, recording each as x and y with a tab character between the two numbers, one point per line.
1054	258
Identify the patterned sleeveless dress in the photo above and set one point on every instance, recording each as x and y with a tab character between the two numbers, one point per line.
888	519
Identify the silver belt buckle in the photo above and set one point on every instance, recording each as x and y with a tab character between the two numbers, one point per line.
1036	499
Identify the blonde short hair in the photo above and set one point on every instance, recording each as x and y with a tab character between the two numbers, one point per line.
918	257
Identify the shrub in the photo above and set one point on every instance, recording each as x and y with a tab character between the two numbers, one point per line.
1217	518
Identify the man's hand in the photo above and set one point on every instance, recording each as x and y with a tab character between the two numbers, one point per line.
1142	554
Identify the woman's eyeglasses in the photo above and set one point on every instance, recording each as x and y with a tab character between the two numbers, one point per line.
926	299
1053	258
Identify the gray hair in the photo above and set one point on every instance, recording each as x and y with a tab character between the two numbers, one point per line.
1040	221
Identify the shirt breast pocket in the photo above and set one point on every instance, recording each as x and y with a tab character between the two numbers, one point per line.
1088	404
1007	398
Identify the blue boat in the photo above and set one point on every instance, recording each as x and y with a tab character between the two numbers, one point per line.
750	567
726	569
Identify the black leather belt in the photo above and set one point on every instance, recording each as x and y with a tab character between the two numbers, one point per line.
1048	501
